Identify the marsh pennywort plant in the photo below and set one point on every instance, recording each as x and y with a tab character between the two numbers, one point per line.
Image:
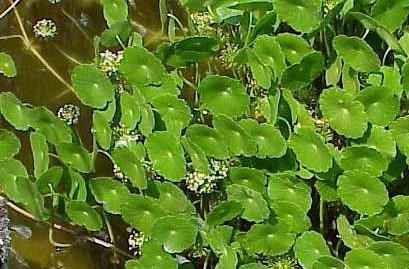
260	134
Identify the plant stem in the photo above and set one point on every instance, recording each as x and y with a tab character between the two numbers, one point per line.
322	215
76	25
10	8
69	57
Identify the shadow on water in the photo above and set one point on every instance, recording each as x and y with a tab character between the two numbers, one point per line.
35	85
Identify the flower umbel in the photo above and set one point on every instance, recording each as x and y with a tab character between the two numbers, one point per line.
136	239
108	61
45	29
69	114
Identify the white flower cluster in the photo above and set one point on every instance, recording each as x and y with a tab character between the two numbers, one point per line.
108	61
69	114
125	136
204	22
54	1
148	165
228	54
45	29
118	174
202	183
136	240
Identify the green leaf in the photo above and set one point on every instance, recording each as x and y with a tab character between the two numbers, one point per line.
76	156
91	86
7	66
83	214
380	103
356	53
400	131
154	257
236	138
345	115
302	15
292	214
362	192
395	255
363	158
223	212
397	215
269	239
141	212
349	236
294	47
14	111
325	262
111	193
141	68
255	207
286	187
131	166
390	13
101	125
167	155
173	199
30	197
269	140
10	144
175	233
54	130
309	247
223	95
172	108
228	260
208	140
253	266
249	177
306	143
130	111
268	51
120	30
115	11
362	258
78	189
197	156
41	158
49	179
382	140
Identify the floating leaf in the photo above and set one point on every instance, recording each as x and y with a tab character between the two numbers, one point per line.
208	140
255	207
76	156
395	255
356	53
362	258
111	193
380	103
141	212
175	233
302	15
294	47
167	155
10	144
7	66
309	247
223	212
269	239
344	114
91	86
83	214
362	192
223	95
41	158
365	159
14	111
237	139
269	140
306	143
131	166
286	187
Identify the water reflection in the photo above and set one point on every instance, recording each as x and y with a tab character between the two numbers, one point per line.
34	84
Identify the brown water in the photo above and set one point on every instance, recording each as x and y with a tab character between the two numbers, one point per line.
34	84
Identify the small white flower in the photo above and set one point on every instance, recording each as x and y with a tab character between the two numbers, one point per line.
124	137
118	174
108	61
45	29
136	240
69	114
54	1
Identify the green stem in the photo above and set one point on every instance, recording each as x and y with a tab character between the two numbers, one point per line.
322	215
69	57
76	24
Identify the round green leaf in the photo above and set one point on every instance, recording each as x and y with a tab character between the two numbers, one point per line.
208	140
348	235
382	140
365	159
294	47
269	140
130	111
362	258
223	95
131	166
50	177
141	212
91	86
362	192
76	156
154	257
292	214
167	155
237	139
400	131
223	212
249	177
309	247
356	53
268	51
306	143
395	255
10	144
397	215
111	193
255	207
172	108
345	115
390	13
269	239
380	103
83	214
115	11
326	262
14	111
173	199
302	15
41	158
175	233
286	187
7	66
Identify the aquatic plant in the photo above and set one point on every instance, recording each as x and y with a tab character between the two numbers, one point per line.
258	134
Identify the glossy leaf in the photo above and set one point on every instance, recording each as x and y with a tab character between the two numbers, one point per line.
10	144
131	166
83	214
111	193
7	65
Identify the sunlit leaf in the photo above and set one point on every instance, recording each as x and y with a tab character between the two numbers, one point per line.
131	166
14	111
111	193
10	144
7	66
76	156
83	214
309	247
41	158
